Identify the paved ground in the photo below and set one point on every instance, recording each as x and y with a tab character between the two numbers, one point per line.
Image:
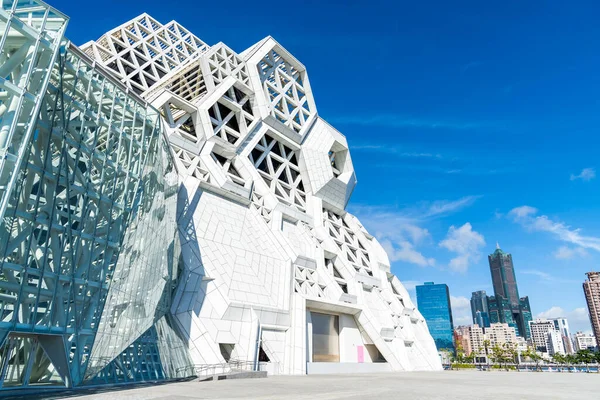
462	385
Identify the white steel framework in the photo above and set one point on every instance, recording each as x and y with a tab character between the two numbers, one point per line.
165	204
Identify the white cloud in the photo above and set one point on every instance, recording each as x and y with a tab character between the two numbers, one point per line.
566	253
445	207
461	310
586	174
404	251
466	243
526	216
399	151
540	274
547	278
578	318
522	212
401	232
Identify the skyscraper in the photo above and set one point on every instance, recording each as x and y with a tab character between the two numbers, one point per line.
503	275
591	288
562	325
506	306
479	308
433	302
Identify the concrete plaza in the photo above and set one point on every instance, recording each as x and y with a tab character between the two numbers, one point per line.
414	385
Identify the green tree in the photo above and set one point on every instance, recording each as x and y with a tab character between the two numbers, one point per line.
470	358
570	359
559	360
510	353
501	355
533	356
585	357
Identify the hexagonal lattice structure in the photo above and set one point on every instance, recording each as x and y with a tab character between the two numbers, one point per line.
140	242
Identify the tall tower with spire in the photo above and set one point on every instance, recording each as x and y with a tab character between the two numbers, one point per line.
506	306
503	276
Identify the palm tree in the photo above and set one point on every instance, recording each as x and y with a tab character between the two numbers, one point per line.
570	359
534	356
559	359
486	346
470	358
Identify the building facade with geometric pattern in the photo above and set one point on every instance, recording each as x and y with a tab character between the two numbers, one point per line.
166	204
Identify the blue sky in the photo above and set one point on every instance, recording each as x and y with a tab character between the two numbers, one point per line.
469	123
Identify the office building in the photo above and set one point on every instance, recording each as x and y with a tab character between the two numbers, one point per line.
506	306
478	343
499	334
479	308
562	326
584	341
483	340
433	301
166	204
591	288
554	342
539	333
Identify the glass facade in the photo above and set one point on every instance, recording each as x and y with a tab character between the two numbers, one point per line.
88	198
479	309
503	276
506	306
433	301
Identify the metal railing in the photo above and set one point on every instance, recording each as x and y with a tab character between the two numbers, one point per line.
530	366
202	370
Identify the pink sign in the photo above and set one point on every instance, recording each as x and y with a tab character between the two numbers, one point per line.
361	353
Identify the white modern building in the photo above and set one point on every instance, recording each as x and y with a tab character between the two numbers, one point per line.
166	204
584	341
273	268
562	325
539	333
554	343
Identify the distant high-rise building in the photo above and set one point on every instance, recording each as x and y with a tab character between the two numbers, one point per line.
562	326
462	339
584	341
433	302
479	308
554	342
506	306
482	319
503	275
481	341
591	288
539	333
499	334
477	341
